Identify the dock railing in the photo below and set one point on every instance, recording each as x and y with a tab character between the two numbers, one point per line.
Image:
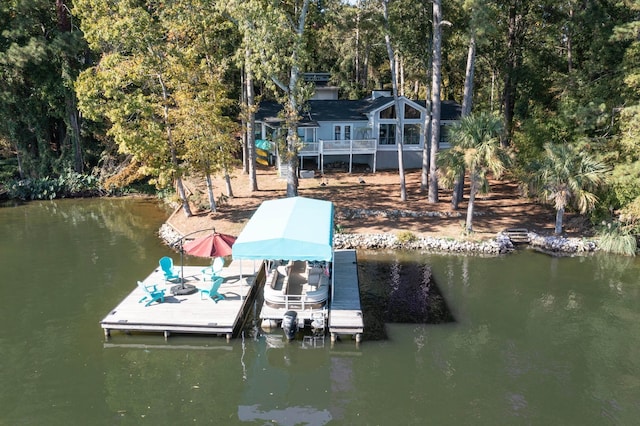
297	301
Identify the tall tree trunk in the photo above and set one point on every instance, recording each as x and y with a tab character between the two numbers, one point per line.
292	135
183	196
251	122
172	149
73	116
399	112
227	182
358	77
212	198
426	131
559	218
467	102
243	122
473	184
569	36
435	101
510	78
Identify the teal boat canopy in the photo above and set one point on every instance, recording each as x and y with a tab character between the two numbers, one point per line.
295	228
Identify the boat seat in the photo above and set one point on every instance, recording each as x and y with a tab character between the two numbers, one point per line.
272	279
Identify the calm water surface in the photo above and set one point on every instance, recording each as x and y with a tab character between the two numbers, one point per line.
530	339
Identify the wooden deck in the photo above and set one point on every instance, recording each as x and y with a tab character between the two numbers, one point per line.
345	313
188	313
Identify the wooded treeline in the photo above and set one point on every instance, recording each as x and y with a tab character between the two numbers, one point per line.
128	88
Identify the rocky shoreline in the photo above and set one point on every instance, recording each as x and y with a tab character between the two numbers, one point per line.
501	244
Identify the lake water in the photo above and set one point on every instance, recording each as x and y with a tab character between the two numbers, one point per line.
521	339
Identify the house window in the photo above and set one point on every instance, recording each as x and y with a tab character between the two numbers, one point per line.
410	112
444	136
307	134
389	112
387	134
412	134
337	133
347	132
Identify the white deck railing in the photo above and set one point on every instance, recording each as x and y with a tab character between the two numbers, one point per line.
342	146
348	146
310	148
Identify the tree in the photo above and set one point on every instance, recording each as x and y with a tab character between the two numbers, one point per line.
478	21
275	33
205	130
41	53
156	59
436	83
567	176
475	147
396	102
133	84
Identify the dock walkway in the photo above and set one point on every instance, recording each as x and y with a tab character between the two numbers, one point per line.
188	313
345	313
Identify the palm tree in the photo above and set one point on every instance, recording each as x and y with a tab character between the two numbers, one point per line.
568	175
475	147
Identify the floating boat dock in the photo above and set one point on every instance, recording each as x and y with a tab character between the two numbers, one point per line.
345	313
191	313
196	314
318	285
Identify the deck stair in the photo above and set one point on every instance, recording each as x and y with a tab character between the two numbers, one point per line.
517	235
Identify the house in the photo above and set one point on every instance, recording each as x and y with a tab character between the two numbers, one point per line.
356	132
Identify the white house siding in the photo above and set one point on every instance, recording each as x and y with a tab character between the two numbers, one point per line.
386	156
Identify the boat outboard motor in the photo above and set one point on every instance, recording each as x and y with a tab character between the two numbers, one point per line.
290	324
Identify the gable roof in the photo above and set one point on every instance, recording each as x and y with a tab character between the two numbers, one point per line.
346	110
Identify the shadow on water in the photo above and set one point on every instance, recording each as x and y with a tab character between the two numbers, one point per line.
394	290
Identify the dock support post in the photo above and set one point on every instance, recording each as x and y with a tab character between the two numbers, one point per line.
358	337
228	337
166	335
333	337
107	333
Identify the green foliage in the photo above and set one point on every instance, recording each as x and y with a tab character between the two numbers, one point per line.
406	237
624	184
69	184
475	147
615	238
8	169
41	53
630	216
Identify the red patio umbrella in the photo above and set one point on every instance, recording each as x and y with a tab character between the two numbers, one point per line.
213	245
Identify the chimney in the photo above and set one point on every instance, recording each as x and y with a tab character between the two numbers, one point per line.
375	94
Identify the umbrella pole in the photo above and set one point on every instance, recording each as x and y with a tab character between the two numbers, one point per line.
182	262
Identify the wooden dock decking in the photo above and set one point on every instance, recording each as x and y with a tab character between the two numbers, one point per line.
345	313
188	313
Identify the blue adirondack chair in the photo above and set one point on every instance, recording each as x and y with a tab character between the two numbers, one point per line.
213	291
170	274
152	294
210	273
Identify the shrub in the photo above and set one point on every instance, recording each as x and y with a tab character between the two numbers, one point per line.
69	184
613	238
405	237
